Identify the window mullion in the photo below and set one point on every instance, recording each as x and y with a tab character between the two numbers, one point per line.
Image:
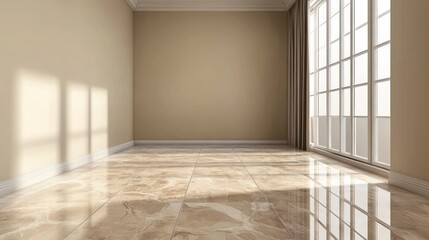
371	120
316	79
328	54
341	78
352	78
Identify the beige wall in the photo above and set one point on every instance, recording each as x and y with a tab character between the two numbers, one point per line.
410	85
210	75
65	81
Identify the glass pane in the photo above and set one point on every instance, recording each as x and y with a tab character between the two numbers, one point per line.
383	99
346	129
347	19
322	104
334	7
322	81
382	140
383	29
361	39
346	46
346	102
382	6
361	137
322	13
335	133
322	134
346	74
346	135
334	103
382	68
335	52
322	36
322	57
311	23
311	51
361	12
334	30
346	2
361	101
312	90
361	69
312	106
334	77
312	119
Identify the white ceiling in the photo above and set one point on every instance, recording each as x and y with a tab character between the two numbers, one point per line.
211	5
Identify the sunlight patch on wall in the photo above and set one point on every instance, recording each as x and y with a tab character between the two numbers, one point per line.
77	120
38	121
99	119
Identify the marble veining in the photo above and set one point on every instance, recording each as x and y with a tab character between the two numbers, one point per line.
215	192
229	220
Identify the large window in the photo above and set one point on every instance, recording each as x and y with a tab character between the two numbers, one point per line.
349	44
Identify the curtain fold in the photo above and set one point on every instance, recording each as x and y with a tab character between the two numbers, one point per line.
298	75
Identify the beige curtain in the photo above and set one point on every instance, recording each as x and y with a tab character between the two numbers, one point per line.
298	75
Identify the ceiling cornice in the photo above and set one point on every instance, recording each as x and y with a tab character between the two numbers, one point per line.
211	5
133	4
289	4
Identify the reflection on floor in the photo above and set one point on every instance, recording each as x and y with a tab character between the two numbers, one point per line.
208	192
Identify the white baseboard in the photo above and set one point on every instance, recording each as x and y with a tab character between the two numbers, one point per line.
210	142
17	183
409	183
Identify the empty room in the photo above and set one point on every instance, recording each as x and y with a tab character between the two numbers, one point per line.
214	119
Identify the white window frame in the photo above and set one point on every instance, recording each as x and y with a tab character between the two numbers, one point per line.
371	83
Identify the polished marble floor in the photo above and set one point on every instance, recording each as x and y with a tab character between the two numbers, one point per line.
214	192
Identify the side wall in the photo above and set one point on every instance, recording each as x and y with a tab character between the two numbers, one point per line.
410	84
210	75
66	73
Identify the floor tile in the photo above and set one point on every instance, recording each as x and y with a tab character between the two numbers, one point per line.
266	170
219	160
210	189
282	182
215	221
44	221
220	171
269	159
122	219
216	151
167	171
155	189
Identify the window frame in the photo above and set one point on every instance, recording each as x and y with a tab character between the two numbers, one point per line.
371	82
